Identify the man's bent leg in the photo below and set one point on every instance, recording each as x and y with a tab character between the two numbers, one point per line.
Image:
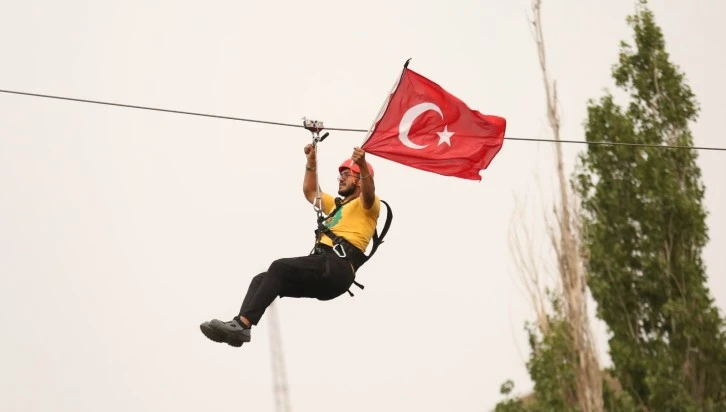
294	277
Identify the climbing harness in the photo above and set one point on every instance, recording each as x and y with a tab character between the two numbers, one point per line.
341	247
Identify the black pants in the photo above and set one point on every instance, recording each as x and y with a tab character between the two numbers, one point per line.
323	276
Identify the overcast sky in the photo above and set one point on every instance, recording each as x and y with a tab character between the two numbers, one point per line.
121	230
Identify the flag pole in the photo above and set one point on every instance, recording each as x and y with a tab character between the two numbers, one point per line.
385	103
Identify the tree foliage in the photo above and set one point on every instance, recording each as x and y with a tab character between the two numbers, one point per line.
552	367
643	231
645	228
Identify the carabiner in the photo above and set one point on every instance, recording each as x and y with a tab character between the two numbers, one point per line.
340	254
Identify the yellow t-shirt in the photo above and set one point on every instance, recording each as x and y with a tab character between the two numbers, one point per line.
352	221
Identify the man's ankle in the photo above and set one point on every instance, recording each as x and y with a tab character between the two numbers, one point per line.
245	322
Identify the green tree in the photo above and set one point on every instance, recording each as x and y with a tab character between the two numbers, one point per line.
644	225
552	367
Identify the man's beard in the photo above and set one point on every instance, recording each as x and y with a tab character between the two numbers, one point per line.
345	192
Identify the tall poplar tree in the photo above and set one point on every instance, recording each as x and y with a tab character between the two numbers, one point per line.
645	228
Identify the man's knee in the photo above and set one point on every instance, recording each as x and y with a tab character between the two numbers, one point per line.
257	279
275	266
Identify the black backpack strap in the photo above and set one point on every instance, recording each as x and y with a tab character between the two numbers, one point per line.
377	240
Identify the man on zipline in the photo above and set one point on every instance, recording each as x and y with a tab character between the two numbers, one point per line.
329	270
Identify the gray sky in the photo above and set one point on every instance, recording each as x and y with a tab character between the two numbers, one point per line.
121	230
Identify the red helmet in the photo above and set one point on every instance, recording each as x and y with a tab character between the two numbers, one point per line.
349	164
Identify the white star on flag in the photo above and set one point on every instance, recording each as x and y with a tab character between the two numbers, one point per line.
445	136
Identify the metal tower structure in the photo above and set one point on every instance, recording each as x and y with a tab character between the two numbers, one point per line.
279	375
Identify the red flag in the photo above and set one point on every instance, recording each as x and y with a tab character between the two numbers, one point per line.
427	128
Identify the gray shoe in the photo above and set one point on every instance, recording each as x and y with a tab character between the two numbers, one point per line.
232	333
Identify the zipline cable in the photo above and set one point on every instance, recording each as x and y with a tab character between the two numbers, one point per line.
343	129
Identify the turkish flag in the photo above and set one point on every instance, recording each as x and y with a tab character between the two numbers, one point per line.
425	127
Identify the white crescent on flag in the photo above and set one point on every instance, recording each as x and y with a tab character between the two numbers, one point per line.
407	121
